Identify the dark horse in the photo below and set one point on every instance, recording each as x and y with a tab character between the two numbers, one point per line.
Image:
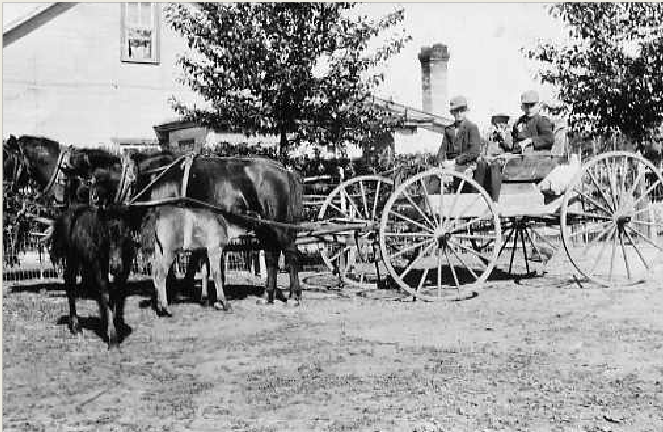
96	242
88	238
235	187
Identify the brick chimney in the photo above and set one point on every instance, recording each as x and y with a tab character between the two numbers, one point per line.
434	97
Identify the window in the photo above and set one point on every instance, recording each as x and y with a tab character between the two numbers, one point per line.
186	145
140	32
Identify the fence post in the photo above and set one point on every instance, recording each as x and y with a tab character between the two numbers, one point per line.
263	266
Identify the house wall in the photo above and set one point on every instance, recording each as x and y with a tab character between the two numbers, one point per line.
63	78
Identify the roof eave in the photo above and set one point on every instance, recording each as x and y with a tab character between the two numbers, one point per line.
18	22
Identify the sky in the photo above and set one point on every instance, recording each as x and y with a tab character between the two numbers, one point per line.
484	41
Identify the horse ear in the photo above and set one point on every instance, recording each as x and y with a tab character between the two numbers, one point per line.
12	142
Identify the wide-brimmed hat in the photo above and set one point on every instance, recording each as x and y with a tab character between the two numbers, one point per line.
457	103
529	97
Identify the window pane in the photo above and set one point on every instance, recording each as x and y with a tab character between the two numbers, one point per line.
146	14
132	13
140	44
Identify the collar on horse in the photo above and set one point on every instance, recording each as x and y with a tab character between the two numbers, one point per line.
60	169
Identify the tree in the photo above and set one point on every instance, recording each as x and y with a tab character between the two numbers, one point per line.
281	68
609	73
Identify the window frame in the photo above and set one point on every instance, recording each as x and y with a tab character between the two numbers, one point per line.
156	37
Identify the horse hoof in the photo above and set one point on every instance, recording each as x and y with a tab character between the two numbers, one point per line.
164	313
205	302
74	327
222	306
264	302
112	338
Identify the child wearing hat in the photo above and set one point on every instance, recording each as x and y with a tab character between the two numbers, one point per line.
532	130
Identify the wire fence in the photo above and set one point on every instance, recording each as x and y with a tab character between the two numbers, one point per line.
29	260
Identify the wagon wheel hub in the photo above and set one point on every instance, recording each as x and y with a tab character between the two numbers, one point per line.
443	239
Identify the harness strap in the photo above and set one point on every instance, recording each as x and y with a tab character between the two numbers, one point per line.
127	181
156	179
186	166
66	153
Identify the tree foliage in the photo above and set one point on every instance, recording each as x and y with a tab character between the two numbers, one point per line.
609	73
255	64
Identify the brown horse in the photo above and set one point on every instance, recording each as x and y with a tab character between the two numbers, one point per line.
235	187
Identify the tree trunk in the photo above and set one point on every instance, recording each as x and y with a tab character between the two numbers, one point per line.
283	145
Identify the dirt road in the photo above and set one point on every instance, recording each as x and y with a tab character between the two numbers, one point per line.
542	355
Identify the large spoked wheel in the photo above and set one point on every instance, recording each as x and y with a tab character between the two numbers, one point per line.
612	220
354	254
428	233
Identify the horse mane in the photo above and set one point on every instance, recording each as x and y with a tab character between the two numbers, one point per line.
99	157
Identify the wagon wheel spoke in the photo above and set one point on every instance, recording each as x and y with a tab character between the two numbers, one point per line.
464	225
423	279
452	213
647	223
428	203
469	268
591	200
467	207
612	255
600	189
416	261
628	269
421	212
600	254
363	199
413	247
351	201
635	184
474	236
471	251
440	202
397	234
644	237
590	244
646	193
439	272
591	215
375	201
642	210
453	269
407	219
637	250
613	183
591	228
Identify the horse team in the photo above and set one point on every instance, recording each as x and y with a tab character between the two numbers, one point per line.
105	197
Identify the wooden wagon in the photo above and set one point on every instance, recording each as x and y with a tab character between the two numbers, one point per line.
440	234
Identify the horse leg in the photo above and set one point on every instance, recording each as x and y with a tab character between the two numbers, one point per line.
205	270
120	294
292	258
70	287
161	264
216	267
272	262
105	310
194	261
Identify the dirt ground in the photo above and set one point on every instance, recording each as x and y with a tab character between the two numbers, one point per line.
538	355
